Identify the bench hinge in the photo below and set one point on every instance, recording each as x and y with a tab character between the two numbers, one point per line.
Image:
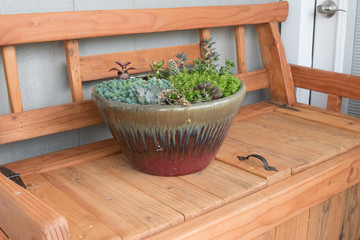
15	177
284	106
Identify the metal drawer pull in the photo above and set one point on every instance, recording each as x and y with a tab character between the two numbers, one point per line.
267	167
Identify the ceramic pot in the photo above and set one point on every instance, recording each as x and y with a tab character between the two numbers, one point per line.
170	140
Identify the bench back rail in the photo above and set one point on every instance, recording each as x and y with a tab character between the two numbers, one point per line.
70	26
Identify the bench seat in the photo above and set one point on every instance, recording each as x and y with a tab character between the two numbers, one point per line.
102	197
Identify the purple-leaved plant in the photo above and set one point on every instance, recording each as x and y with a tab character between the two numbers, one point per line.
123	72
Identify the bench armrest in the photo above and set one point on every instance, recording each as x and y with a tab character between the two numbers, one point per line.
23	216
339	84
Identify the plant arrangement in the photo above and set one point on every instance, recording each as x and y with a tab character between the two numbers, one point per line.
148	119
180	84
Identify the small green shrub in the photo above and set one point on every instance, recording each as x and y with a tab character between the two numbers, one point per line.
201	81
186	83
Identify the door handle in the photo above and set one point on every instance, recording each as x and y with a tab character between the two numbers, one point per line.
328	8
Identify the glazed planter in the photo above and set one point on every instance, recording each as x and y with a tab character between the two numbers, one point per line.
170	140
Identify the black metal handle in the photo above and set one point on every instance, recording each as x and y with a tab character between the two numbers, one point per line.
15	177
267	167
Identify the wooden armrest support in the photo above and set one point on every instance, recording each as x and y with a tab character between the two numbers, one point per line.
339	84
23	216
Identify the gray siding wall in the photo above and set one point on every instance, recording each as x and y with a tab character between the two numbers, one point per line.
42	66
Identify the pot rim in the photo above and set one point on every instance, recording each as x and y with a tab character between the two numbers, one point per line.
135	106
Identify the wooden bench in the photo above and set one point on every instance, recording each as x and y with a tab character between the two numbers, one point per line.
91	192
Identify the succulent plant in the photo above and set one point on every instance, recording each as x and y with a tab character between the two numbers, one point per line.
173	67
207	92
148	95
173	97
157	69
210	56
123	72
225	70
182	59
133	90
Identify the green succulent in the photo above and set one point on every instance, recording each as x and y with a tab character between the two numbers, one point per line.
173	67
133	90
157	69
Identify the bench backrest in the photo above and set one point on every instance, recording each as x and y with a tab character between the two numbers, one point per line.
71	26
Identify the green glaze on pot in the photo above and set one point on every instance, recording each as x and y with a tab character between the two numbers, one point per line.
170	140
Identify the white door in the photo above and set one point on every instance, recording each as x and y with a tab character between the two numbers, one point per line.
311	39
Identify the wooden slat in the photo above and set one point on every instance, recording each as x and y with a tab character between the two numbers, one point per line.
124	209
283	149
23	216
334	103
264	140
231	149
262	211
325	219
297	135
97	66
294	229
351	216
321	110
255	80
220	176
339	84
254	109
40	122
39	27
73	68
185	197
281	86
12	78
204	33
330	118
193	195
65	158
82	223
300	133
240	48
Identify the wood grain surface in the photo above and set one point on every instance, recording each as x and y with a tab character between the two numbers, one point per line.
97	173
135	205
44	121
73	69
262	211
12	78
255	80
239	32
281	85
25	28
24	216
97	66
334	103
326	82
